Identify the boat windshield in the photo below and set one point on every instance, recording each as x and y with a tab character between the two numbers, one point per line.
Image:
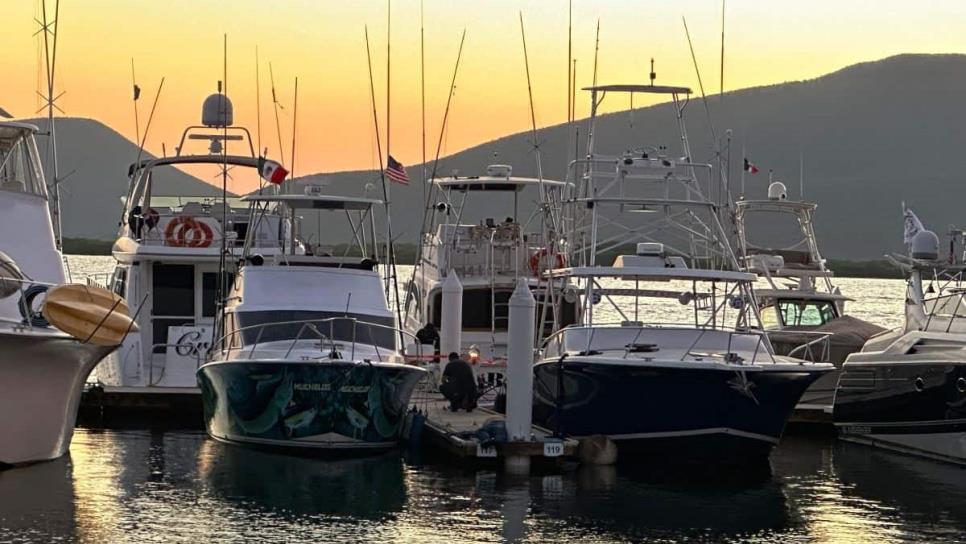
19	162
276	325
798	313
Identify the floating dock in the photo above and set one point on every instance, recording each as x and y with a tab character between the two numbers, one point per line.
455	433
134	406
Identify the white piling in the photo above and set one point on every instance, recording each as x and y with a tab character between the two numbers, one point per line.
519	395
451	316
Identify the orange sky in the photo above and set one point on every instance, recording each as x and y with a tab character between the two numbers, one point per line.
768	41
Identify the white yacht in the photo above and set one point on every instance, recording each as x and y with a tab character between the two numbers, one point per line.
906	390
668	359
800	303
168	252
42	369
311	357
477	230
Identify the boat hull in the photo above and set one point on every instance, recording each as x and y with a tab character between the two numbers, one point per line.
320	406
916	407
674	412
42	375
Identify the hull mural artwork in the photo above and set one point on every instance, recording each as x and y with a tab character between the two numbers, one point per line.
310	405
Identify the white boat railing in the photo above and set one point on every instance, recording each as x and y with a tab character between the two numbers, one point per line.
235	341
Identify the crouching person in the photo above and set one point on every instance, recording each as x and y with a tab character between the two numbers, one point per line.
459	384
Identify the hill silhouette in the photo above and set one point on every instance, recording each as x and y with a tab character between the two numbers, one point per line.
872	135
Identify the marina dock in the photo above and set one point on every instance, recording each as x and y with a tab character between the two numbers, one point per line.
455	434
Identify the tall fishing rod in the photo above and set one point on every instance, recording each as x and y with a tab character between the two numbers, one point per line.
570	56
428	215
295	110
277	105
222	296
390	243
547	210
137	95
258	117
721	71
422	87
385	184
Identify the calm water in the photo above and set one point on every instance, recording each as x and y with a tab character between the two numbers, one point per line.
126	486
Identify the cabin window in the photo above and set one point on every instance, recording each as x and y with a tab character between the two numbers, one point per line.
806	313
479	307
769	318
334	326
209	292
174	289
119	281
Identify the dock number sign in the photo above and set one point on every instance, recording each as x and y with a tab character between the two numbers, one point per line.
553	449
485	451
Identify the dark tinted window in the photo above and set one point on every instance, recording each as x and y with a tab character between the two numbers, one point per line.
174	289
338	330
209	292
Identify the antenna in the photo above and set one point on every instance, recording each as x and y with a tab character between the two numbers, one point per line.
49	30
801	174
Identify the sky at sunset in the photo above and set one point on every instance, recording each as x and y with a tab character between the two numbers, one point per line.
322	42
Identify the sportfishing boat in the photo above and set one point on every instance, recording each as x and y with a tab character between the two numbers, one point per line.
311	357
477	230
168	252
906	389
51	333
800	302
668	358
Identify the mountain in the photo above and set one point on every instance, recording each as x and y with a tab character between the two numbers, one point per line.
93	160
873	135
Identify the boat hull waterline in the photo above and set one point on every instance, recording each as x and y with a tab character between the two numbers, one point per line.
42	373
706	414
333	405
911	407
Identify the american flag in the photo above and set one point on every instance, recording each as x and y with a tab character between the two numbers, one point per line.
396	172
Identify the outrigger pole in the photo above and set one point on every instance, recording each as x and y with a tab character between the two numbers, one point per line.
49	30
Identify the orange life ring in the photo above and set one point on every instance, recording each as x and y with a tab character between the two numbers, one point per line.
560	260
185	231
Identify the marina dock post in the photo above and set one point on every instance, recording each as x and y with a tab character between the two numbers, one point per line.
519	403
451	326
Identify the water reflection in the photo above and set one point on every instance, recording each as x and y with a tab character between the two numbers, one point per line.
157	485
368	487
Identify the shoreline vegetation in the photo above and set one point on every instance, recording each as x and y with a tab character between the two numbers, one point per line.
406	253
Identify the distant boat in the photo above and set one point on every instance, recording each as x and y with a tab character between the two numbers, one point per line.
42	368
802	310
685	373
906	390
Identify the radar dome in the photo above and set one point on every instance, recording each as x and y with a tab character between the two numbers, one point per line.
925	246
217	111
777	191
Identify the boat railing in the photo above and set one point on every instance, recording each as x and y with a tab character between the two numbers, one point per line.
626	338
313	328
820	345
99	279
482	251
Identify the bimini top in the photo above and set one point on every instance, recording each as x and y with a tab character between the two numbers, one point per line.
775	205
14	129
492	183
316	202
653	89
653	273
232	160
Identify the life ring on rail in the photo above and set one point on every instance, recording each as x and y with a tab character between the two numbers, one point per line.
186	231
559	260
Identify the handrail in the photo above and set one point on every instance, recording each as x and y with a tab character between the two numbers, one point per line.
311	324
824	338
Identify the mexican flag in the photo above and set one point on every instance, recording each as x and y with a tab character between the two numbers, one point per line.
271	170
